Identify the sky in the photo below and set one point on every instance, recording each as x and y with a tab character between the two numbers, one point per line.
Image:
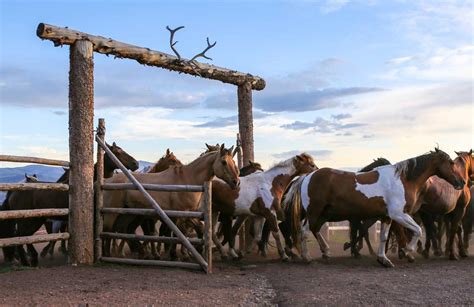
347	81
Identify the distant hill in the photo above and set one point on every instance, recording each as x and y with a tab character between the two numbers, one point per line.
44	173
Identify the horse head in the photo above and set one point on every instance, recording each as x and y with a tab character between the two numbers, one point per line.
127	160
165	162
304	163
224	167
31	178
446	169
468	159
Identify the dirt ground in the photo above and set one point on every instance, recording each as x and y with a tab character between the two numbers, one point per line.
252	281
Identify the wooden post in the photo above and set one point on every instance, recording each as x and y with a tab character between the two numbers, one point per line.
81	150
207	201
244	95
99	193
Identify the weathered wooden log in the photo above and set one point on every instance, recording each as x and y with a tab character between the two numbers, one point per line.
164	218
33	186
24	159
177	264
154	187
152	212
99	193
81	152
65	36
21	214
207	209
33	239
128	236
244	95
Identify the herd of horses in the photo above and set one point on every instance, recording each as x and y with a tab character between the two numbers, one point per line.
293	198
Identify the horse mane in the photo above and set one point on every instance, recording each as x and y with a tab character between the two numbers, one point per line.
377	162
282	164
414	167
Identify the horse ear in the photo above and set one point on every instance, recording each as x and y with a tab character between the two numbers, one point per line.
222	149
208	146
470	152
26	176
114	145
436	149
167	151
231	151
457	152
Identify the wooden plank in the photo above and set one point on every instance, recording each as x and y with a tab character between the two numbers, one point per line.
99	193
154	187
164	218
152	212
24	159
129	236
65	36
170	264
81	153
207	209
33	239
21	214
24	186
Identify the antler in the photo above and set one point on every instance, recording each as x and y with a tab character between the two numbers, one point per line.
203	54
172	32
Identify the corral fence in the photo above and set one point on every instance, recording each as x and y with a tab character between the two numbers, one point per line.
203	262
33	213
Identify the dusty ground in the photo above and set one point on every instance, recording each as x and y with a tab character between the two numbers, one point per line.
254	281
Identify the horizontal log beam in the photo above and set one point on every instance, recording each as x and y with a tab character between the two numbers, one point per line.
24	159
22	214
33	239
65	36
152	212
128	236
33	186
154	187
170	264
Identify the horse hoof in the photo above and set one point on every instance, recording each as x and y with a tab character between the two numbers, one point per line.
285	258
347	245
385	262
307	260
356	255
462	254
410	258
426	254
224	257
438	253
325	257
453	257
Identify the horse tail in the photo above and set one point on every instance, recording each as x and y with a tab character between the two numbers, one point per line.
294	210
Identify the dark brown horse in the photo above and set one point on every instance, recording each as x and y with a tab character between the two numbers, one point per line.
44	199
440	198
389	192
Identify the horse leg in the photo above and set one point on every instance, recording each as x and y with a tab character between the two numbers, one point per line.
384	231
286	232
428	222
215	239
258	222
355	226
461	247
262	244
303	237
235	229
408	222
49	229
455	219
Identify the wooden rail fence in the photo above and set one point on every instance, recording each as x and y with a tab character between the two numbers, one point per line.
204	263
33	213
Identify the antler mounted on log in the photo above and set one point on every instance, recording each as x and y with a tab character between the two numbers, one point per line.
192	61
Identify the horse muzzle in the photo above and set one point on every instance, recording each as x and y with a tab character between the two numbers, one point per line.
234	184
459	184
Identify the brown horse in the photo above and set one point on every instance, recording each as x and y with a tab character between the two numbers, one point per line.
147	224
389	192
204	168
43	199
259	196
440	198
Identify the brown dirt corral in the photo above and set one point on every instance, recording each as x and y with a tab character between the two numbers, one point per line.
253	281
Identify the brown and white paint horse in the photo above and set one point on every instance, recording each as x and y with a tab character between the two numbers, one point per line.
259	196
204	168
389	192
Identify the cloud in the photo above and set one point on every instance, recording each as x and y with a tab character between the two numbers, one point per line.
341	116
329	6
322	153
229	120
60	113
309	101
323	125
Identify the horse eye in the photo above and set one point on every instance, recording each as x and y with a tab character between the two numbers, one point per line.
224	162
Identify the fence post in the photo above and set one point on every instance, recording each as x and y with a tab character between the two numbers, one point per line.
207	199
81	153
99	193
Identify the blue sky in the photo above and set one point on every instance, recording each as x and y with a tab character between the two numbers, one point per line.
347	81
